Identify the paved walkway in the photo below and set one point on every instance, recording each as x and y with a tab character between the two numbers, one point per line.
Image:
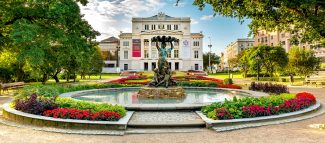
295	132
169	118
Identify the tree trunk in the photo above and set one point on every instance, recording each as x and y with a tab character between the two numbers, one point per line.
44	79
55	76
68	76
74	77
100	75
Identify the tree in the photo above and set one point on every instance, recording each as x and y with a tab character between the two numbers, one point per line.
47	34
271	59
243	61
232	63
296	16
302	61
214	59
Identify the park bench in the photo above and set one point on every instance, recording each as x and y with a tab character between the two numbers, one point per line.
317	81
6	86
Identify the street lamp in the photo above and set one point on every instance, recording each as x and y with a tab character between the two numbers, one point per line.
210	45
258	66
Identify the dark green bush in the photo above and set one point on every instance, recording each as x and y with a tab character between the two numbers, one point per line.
227	81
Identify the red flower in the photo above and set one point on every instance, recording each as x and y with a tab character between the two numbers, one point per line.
306	95
67	113
232	86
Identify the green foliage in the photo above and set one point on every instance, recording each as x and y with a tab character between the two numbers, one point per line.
292	16
55	90
302	61
85	105
227	81
272	59
234	106
48	35
214	59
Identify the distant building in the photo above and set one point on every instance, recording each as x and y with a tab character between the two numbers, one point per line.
137	52
109	48
234	48
277	38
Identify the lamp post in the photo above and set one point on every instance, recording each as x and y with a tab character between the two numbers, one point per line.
210	45
258	67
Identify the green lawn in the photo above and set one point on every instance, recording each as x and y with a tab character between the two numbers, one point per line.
225	75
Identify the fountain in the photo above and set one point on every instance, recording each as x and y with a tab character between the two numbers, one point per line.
162	84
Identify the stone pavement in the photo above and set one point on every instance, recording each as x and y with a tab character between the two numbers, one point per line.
166	118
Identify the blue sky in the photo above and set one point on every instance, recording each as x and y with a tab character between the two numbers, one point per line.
109	17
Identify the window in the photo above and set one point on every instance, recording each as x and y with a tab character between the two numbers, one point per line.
196	43
196	66
146	66
271	37
258	40
146	27
169	55
175	53
283	42
153	43
153	27
146	53
125	43
126	66
161	26
175	27
271	44
153	65
196	54
169	27
176	66
126	54
283	35
153	53
146	42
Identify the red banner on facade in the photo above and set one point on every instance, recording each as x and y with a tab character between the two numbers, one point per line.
136	47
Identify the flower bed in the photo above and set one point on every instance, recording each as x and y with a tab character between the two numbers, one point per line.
68	108
232	86
269	87
128	80
255	107
66	113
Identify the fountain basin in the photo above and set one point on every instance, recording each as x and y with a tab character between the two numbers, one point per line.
195	97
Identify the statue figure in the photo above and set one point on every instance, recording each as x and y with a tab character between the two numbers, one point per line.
163	73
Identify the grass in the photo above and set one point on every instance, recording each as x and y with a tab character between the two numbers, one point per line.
223	75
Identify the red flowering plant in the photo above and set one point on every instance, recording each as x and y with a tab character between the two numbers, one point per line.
256	111
66	113
306	95
232	86
222	113
126	80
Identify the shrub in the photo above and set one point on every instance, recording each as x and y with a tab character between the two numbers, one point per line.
269	87
66	113
232	86
223	113
92	106
227	81
34	105
306	95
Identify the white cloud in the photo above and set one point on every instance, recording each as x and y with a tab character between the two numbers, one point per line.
109	17
193	21
206	17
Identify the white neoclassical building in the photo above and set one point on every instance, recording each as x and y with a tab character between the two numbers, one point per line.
137	52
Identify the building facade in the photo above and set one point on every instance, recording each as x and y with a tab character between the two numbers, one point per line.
109	49
138	52
277	38
234	48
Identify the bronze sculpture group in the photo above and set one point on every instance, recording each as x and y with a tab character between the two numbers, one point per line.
163	74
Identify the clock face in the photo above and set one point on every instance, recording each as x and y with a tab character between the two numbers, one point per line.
185	43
